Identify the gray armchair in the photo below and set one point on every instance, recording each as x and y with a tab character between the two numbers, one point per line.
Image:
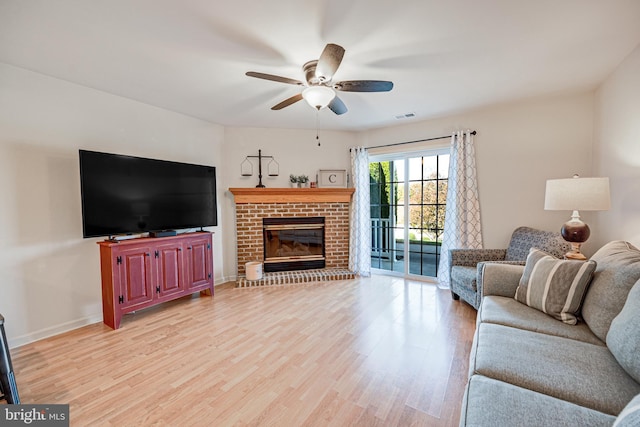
466	265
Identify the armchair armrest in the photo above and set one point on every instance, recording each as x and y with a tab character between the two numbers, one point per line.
499	279
471	257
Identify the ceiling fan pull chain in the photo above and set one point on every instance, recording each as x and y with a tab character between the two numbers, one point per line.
317	118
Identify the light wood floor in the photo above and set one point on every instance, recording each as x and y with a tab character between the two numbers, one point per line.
365	352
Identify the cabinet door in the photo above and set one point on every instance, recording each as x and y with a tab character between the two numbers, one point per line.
199	263
136	275
170	259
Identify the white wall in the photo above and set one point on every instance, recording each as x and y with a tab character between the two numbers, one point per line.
518	147
49	274
295	150
617	151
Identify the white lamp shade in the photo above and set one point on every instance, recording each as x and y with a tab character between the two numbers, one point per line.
318	96
579	194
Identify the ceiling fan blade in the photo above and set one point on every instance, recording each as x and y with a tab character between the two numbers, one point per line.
287	102
329	62
337	106
364	86
274	78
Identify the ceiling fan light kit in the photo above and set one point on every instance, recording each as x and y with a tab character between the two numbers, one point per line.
318	96
320	91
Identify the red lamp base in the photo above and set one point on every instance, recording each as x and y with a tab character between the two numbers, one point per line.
575	232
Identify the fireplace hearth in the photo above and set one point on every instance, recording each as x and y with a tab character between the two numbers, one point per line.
293	243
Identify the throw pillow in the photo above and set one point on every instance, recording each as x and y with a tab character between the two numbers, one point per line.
630	415
554	286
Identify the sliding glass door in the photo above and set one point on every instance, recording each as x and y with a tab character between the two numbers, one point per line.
408	199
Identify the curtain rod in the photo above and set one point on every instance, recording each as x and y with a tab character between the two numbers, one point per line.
412	142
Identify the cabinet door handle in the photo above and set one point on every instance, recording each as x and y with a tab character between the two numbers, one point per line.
189	247
147	254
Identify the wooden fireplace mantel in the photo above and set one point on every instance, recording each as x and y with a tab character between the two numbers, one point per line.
288	195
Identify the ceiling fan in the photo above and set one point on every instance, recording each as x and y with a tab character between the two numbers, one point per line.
320	91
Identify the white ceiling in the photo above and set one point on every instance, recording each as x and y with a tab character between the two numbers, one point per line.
190	56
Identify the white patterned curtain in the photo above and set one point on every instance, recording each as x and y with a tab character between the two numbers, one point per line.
462	229
360	234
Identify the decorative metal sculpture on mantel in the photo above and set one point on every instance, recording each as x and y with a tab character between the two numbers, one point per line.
246	167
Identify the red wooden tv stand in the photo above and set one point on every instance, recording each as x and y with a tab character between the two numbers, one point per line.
143	272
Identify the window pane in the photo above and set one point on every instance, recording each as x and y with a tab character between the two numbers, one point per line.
430	167
396	171
429	191
415	169
416	219
443	166
442	191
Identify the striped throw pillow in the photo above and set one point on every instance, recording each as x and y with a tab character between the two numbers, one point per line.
554	286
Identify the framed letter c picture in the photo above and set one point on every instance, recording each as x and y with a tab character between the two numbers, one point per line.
332	178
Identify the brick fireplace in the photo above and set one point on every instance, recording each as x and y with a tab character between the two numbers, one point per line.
255	204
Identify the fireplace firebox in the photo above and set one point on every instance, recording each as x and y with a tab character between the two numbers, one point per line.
293	243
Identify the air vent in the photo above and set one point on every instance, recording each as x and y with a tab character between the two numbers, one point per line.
405	116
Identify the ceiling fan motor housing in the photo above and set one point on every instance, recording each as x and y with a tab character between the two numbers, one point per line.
310	73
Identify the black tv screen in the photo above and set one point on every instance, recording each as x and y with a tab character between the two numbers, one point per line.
125	194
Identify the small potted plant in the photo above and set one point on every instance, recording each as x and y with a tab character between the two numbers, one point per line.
293	180
303	180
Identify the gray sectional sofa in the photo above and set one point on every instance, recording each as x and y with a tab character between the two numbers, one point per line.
528	368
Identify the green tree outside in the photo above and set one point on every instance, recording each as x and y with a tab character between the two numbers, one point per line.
379	174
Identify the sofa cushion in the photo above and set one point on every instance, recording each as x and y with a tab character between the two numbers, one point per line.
585	374
500	279
630	415
618	269
554	286
509	312
494	403
623	338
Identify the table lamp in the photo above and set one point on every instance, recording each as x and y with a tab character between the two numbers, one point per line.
577	194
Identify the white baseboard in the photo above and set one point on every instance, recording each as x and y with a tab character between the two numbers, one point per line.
74	324
53	330
225	279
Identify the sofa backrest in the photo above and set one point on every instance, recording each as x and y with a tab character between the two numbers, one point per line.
617	270
525	238
623	338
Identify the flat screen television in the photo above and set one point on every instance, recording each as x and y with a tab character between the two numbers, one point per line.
129	195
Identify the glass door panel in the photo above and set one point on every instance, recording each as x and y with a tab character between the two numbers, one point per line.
408	197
